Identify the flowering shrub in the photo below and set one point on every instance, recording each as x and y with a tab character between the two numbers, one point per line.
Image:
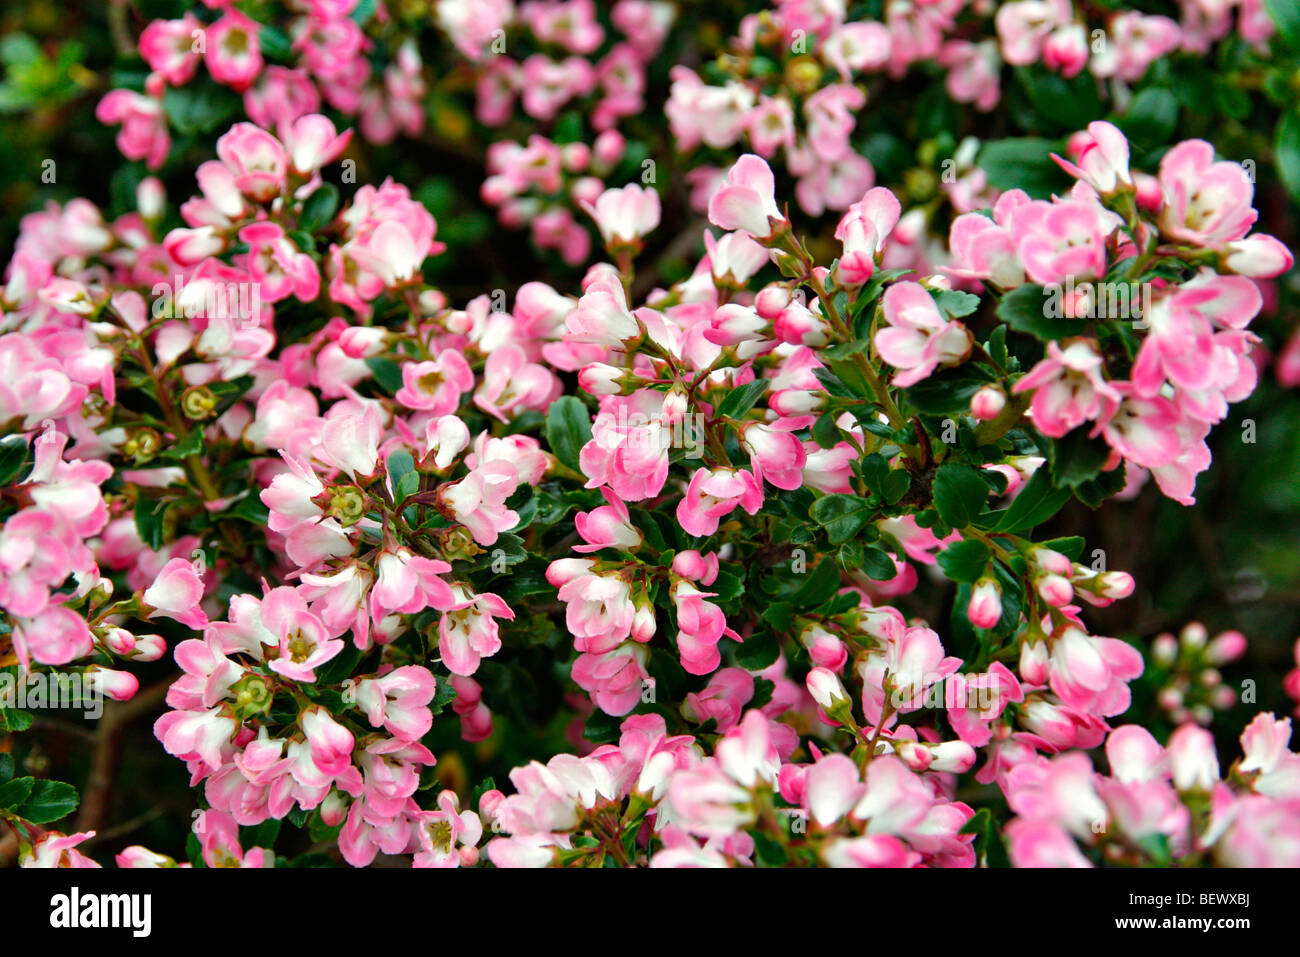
628	564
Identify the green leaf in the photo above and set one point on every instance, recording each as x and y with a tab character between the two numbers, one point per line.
728	585
1077	459
48	801
191	443
601	728
956	304
250	508
959	494
877	564
964	561
988	841
1037	502
320	208
401	467
13	458
948	391
6	767
760	650
1286	152
1286	14
822	582
198	108
779	614
15	719
741	399
1105	485
14	793
843	516
1152	117
275	43
1035	311
1061	104
895	485
149	520
1024	163
568	429
260	835
386	372
825	432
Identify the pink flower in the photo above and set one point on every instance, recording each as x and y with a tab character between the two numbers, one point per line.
478	501
256	159
304	643
398	701
701	625
312	142
918	339
614	679
55	636
406	583
722	700
863	230
53	849
144	133
233	51
176	593
1101	157
513	384
748	200
628	450
774	454
349	440
1206	203
1091	673
331	744
468	630
196	735
1193	762
985	249
436	386
168	46
714	493
624	216
608	526
1061	240
1069	388
441	831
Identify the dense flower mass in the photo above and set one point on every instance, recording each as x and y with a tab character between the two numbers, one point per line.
667	526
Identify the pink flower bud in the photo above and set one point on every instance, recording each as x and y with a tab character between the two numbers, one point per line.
1164	650
149	647
826	688
1226	647
1055	590
118	685
985	608
1034	659
771	301
988	403
1115	584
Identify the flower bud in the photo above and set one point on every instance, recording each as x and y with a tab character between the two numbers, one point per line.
1164	650
1226	647
827	690
988	403
1034	658
985	608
